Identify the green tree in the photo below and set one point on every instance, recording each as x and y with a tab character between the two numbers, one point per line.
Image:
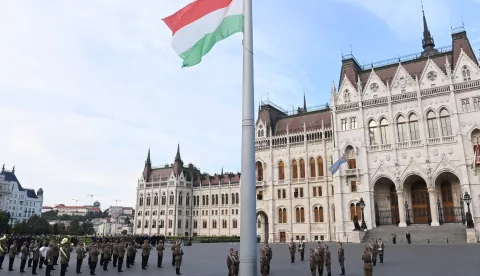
59	229
4	222
39	225
50	215
74	228
21	228
87	228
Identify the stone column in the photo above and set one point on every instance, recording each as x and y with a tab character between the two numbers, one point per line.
401	207
432	193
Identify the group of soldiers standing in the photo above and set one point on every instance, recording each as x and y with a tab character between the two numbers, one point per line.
369	257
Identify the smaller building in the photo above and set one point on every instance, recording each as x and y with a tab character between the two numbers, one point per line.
46	209
21	203
62	209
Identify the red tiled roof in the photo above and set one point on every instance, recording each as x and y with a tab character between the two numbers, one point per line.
61	206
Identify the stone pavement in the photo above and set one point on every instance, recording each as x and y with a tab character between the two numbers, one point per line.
209	260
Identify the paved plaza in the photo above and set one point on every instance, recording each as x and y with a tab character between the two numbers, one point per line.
209	260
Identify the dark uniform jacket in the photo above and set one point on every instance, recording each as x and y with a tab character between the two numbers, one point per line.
145	250
341	254
367	259
93	255
64	254
80	252
36	253
13	251
121	250
160	249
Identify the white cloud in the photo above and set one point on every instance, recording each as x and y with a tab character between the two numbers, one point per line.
87	86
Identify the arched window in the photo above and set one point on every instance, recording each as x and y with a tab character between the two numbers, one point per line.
320	166
154	224
204	224
313	173
432	125
206	199
402	129
355	210
282	215
214	223
180	199
223	199
346	96
164	199
299	215
352	211
140	201
224	223
259	223
414	129
237	198
172	199
148	200
466	73
155	199
234	223
259	166
195	224
188	200
333	213
294	169
302	168
351	157
384	131
318	214
373	132
162	223
139	223
233	198
445	123
146	223
226	199
281	170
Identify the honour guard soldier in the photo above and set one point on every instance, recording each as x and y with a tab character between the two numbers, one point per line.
3	250
102	246
301	249
328	261
107	255
130	254
56	253
320	258
50	261
30	253
24	251
367	262
80	256
313	262
11	255
292	248
93	256
263	262
269	254
374	251
65	256
121	255
178	253
381	249
394	238
145	254
115	253
35	258
160	249
341	257
173	253
236	263
229	262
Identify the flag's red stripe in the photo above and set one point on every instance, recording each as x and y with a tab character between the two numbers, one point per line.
192	12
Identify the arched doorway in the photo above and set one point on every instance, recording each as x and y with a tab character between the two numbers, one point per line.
449	200
262	226
420	204
386	202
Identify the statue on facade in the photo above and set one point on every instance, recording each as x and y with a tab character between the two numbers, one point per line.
469	220
356	224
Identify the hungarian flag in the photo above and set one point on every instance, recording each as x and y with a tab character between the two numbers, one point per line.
201	24
475	157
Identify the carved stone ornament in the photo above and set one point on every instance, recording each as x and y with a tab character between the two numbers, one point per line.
375	158
374	87
387	157
435	152
450	151
404	155
402	82
432	76
418	154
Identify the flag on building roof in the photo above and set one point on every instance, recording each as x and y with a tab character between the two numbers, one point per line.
336	166
201	24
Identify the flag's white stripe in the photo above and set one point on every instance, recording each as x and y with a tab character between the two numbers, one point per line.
187	36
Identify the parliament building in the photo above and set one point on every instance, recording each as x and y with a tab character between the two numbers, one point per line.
407	130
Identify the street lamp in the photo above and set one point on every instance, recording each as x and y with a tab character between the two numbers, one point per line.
468	199
362	206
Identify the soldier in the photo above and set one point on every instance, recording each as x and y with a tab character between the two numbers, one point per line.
394	238
107	251
145	254
374	251
229	262
173	255
381	249
3	250
121	255
30	254
160	249
320	258
178	253
367	262
313	262
24	251
328	261
292	249
341	258
65	256
301	249
115	253
50	261
263	262
269	254
56	253
409	237
102	246
236	263
80	256
35	258
130	254
93	256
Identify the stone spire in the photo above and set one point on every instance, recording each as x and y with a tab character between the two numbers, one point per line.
148	167
304	103
428	43
177	156
148	162
178	164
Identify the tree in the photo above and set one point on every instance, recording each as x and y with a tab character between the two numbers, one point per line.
87	228
39	225
21	228
4	220
75	228
59	229
50	215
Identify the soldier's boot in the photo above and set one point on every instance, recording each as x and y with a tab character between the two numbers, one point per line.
178	271
343	271
329	274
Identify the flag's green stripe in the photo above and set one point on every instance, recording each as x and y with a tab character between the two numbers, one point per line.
229	26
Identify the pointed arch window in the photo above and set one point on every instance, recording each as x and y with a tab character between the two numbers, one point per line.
172	199
155	199
226	199
164	199
414	129
466	73
260	132
355	210
281	170
445	123
294	169
282	215
206	200
311	162
346	96
302	168
234	223
223	199
299	215
432	125
204	224
154	224
224	223
373	133
187	201
195	224
146	224
318	213
402	129
384	131
237	198
139	223
180	199
148	200
320	166
259	166
140	201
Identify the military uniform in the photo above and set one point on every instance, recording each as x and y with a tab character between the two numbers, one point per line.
35	258
56	253
367	263
301	249
236	264
130	255
178	253
50	261
24	251
80	255
102	248
269	254
381	250
292	248
93	257
64	257
263	263
320	258
3	251
313	263
229	262
115	254
107	251
121	255
160	249
374	251
341	258
328	261
173	253
145	254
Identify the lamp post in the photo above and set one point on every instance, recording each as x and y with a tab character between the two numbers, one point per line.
468	199
362	206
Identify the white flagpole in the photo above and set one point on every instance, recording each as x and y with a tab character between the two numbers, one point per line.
248	209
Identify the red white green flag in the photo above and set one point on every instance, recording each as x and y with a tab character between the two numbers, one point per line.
201	24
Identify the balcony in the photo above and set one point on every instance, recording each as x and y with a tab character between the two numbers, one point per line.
409	144
442	140
374	148
351	172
